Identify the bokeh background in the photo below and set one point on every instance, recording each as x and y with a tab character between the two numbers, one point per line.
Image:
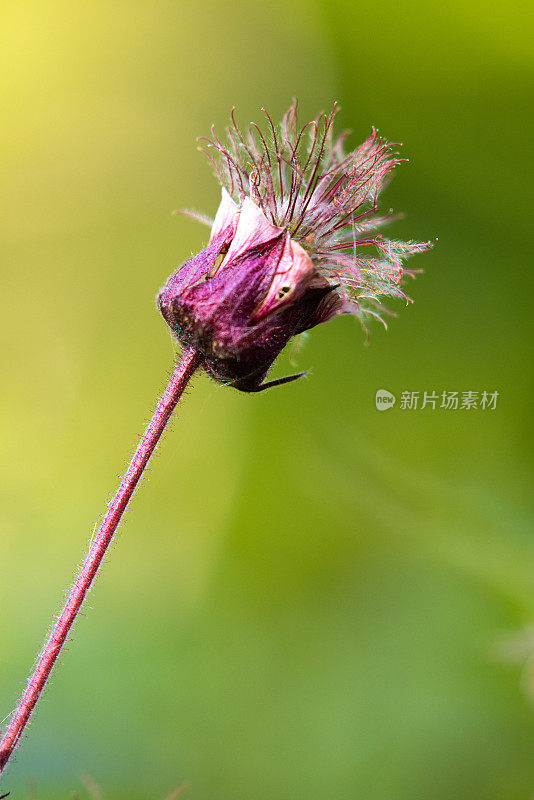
308	598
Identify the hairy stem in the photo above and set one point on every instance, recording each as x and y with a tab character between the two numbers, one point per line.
189	362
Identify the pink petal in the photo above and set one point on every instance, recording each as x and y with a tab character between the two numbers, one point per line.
253	228
227	215
291	279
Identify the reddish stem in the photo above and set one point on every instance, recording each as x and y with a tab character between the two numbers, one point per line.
189	362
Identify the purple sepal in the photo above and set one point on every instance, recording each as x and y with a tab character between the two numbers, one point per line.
213	310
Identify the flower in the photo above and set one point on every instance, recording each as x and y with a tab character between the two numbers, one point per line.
294	243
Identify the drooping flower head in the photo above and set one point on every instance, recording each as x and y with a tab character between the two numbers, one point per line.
294	243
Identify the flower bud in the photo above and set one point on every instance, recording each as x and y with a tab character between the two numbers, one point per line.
292	245
241	311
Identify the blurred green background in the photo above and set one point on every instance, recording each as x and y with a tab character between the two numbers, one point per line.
308	599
